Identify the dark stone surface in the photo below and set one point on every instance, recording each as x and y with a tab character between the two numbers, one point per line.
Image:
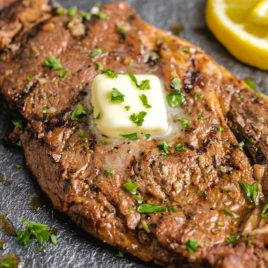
75	248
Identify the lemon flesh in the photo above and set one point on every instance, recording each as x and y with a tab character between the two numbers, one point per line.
242	27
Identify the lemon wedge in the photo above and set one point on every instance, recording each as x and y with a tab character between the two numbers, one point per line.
242	27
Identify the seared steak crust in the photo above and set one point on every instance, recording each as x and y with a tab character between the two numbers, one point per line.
198	186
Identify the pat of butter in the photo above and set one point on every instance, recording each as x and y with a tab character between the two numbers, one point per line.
114	118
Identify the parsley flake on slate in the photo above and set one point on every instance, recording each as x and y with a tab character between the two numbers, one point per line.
41	232
176	83
79	110
53	63
138	118
18	124
119	254
191	245
251	83
251	191
144	101
150	208
164	148
117	96
109	73
72	11
264	211
131	137
109	171
144	85
95	52
175	99
231	213
131	187
185	123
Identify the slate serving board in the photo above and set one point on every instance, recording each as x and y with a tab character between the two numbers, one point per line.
76	248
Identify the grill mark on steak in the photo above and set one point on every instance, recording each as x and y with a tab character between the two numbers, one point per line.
196	186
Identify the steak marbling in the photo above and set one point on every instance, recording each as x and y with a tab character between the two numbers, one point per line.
200	186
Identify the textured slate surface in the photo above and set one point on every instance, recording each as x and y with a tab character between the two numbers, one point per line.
75	248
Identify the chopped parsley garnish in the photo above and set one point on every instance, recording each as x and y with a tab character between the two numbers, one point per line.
145	226
231	213
185	123
232	240
131	187
198	96
63	74
82	134
99	66
29	78
127	107
185	50
150	208
121	30
53	63
144	85
144	101
220	128
18	166
60	11
8	261
79	110
108	72
85	15
119	254
72	11
191	245
138	118
164	148
117	96
137	198
50	110
175	99
147	136
131	137
241	145
95	52
180	148
251	83
264	211
101	15
202	116
109	171
18	124
176	83
41	232
251	191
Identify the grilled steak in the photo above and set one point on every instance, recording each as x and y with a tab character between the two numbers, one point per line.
207	216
